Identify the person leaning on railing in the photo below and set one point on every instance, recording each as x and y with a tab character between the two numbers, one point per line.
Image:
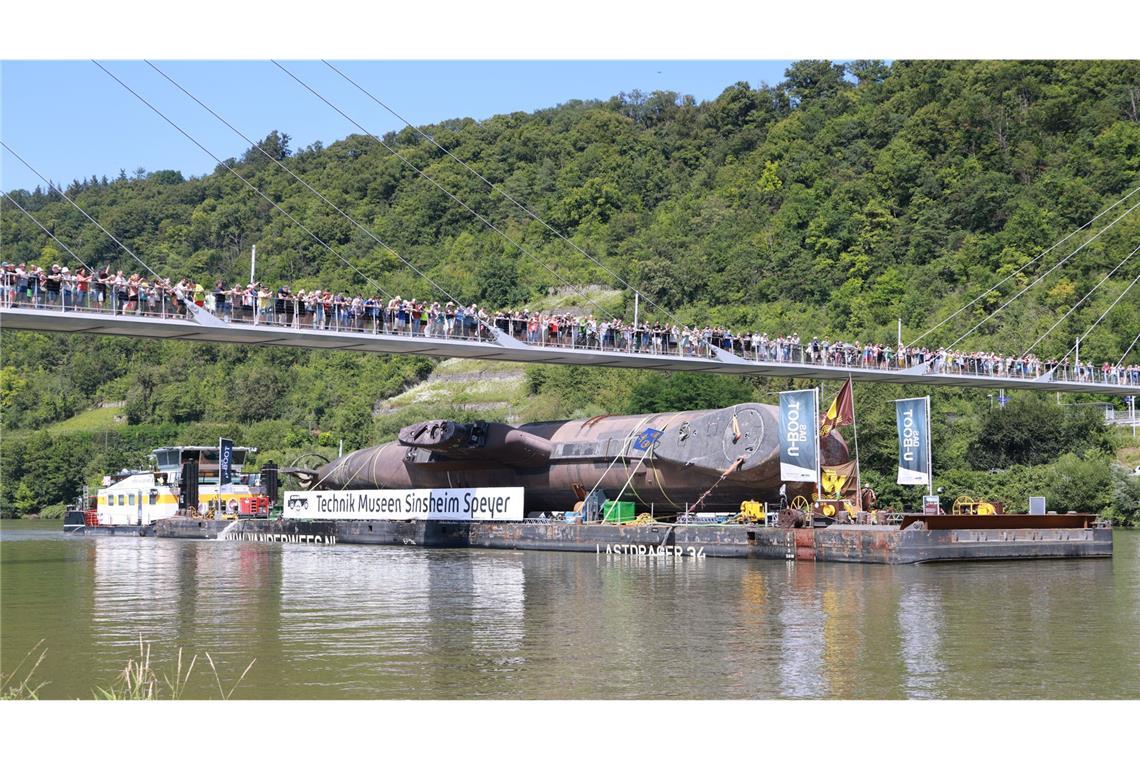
12	276
66	288
52	282
35	285
82	287
7	284
281	303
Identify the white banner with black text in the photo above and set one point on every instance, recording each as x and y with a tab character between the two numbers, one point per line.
463	504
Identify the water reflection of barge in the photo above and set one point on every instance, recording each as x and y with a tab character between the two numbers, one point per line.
918	538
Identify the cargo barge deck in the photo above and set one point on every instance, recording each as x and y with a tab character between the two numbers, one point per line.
918	539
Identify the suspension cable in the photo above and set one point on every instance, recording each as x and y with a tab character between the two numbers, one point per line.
449	194
1111	306
522	207
248	184
78	208
28	214
1026	264
254	144
1083	299
1042	277
1120	363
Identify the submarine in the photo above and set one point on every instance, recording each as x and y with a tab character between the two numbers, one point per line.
670	462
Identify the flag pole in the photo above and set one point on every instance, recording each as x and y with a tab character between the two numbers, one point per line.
929	459
818	460
821	396
858	469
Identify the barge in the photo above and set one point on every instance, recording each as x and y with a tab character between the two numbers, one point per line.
917	539
446	484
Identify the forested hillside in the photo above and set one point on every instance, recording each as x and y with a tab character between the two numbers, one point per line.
832	203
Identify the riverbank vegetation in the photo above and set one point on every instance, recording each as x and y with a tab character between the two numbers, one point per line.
833	203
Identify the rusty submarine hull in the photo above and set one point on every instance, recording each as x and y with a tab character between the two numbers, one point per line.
725	456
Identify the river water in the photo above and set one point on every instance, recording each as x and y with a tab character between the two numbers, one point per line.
394	622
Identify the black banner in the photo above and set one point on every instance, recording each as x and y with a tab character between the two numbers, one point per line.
225	461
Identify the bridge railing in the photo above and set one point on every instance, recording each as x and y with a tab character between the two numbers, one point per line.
937	363
110	302
290	312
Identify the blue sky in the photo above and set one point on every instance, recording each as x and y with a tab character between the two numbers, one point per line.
70	120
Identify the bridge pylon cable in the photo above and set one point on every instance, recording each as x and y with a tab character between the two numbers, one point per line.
1099	319
1041	277
1120	362
1047	251
521	206
248	184
49	233
80	210
487	222
1078	303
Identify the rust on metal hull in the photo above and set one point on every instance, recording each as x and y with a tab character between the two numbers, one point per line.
837	543
1000	522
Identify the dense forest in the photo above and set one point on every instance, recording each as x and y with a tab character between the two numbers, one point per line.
833	203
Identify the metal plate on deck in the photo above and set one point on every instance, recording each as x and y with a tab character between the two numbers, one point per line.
1000	522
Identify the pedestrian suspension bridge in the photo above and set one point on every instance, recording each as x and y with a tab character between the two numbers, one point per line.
197	324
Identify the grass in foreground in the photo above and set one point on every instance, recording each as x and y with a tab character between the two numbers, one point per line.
10	688
138	680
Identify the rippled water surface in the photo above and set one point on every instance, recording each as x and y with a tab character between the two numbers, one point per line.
379	622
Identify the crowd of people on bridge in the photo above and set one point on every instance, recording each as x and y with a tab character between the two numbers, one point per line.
24	285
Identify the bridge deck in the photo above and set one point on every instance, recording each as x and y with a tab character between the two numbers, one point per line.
209	329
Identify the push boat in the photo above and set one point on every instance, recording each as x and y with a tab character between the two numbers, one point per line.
181	480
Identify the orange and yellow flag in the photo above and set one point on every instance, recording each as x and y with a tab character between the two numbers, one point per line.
841	411
839	480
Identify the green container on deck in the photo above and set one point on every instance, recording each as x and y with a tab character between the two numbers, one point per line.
617	511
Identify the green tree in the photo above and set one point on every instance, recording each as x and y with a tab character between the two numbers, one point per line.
808	81
1031	430
274	146
498	281
676	391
